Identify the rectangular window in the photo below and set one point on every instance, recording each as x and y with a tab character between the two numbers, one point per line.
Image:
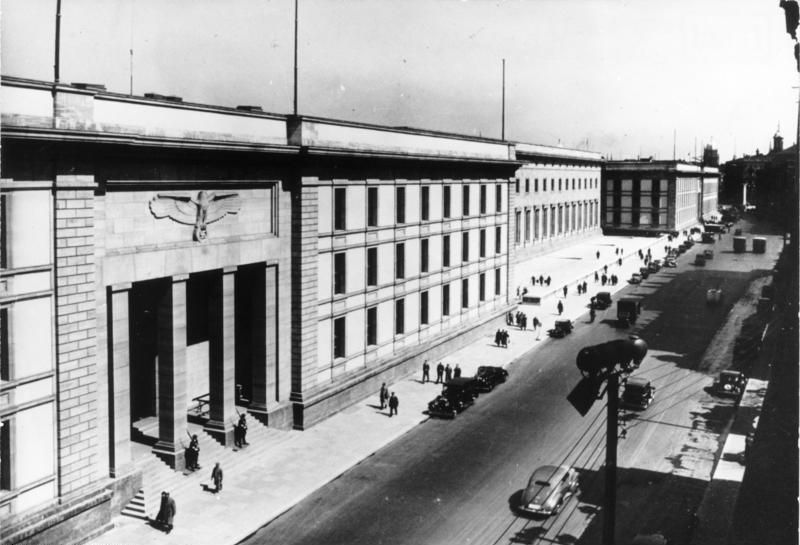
497	281
559	184
483	243
465	246
446	300
573	183
400	261
339	272
426	203
517	226
544	184
340	209
338	338
423	255
516	186
536	185
399	316
446	251
498	240
465	293
446	202
483	199
372	266
552	184
527	185
465	200
5	454
400	205
5	361
527	225
372	207
423	308
498	198
482	287
372	326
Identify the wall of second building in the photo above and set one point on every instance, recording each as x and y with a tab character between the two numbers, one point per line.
710	195
552	205
688	201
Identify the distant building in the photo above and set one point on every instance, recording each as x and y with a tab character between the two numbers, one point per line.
739	176
710	156
649	197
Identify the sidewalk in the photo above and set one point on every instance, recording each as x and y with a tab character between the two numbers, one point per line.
258	490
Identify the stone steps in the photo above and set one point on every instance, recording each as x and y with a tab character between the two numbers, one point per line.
157	476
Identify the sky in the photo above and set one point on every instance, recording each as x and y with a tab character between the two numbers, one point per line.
626	78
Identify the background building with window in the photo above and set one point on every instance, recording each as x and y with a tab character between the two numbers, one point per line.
555	199
649	197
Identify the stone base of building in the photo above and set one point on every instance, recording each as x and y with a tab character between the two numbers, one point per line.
314	409
280	417
70	522
634	232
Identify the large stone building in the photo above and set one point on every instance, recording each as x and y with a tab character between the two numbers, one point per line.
555	199
165	265
647	197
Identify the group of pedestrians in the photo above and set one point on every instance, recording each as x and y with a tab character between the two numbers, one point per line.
521	320
501	338
541	280
581	287
611	280
388	399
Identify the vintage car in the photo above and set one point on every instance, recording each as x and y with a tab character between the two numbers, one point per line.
654	266
729	383
488	377
635	278
709	238
709	254
645	272
560	329
670	263
713	296
457	394
628	311
700	260
602	300
548	490
637	393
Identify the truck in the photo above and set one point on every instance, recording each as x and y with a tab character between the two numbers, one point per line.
628	311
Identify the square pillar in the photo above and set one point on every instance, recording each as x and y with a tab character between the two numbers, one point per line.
265	344
222	360
119	351
172	400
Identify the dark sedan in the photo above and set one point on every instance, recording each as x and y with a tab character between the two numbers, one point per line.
730	383
488	377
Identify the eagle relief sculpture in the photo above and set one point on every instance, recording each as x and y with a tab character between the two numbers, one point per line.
206	207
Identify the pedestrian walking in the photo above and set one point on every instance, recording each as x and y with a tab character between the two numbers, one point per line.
605	269
216	477
506	338
537	326
584	287
541	280
497	338
383	395
440	372
619	262
591	314
533	280
603	279
448	373
524	322
393	404
598	254
166	512
426	372
560	307
517	291
548	281
457	372
510	318
565	291
596	277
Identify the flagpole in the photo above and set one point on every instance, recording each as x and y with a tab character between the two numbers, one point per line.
294	109
503	107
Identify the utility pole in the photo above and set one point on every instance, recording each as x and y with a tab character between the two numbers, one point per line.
503	108
131	69
610	509
57	63
294	108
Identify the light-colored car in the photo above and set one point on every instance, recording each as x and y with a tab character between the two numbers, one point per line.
670	262
548	490
637	393
636	278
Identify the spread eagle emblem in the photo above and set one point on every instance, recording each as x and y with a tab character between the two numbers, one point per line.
199	211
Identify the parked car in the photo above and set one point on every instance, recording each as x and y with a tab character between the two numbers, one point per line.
644	271
560	329
488	377
730	383
548	490
628	310
709	254
635	278
713	296
637	393
602	300
457	394
709	238
670	263
700	260
654	266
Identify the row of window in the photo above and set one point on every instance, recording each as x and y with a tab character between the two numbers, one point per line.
340	258
563	184
340	204
561	219
340	324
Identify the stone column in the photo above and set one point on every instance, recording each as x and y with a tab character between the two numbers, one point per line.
172	402
265	343
119	378
222	360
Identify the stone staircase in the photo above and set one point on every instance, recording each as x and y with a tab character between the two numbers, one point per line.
157	476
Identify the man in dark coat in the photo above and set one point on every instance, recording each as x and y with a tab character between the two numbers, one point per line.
439	372
457	372
426	372
240	432
166	512
193	453
448	373
383	395
216	477
393	404
560	307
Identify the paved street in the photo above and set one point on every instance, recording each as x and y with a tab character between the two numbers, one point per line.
453	482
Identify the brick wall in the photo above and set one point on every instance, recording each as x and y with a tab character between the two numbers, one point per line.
75	332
